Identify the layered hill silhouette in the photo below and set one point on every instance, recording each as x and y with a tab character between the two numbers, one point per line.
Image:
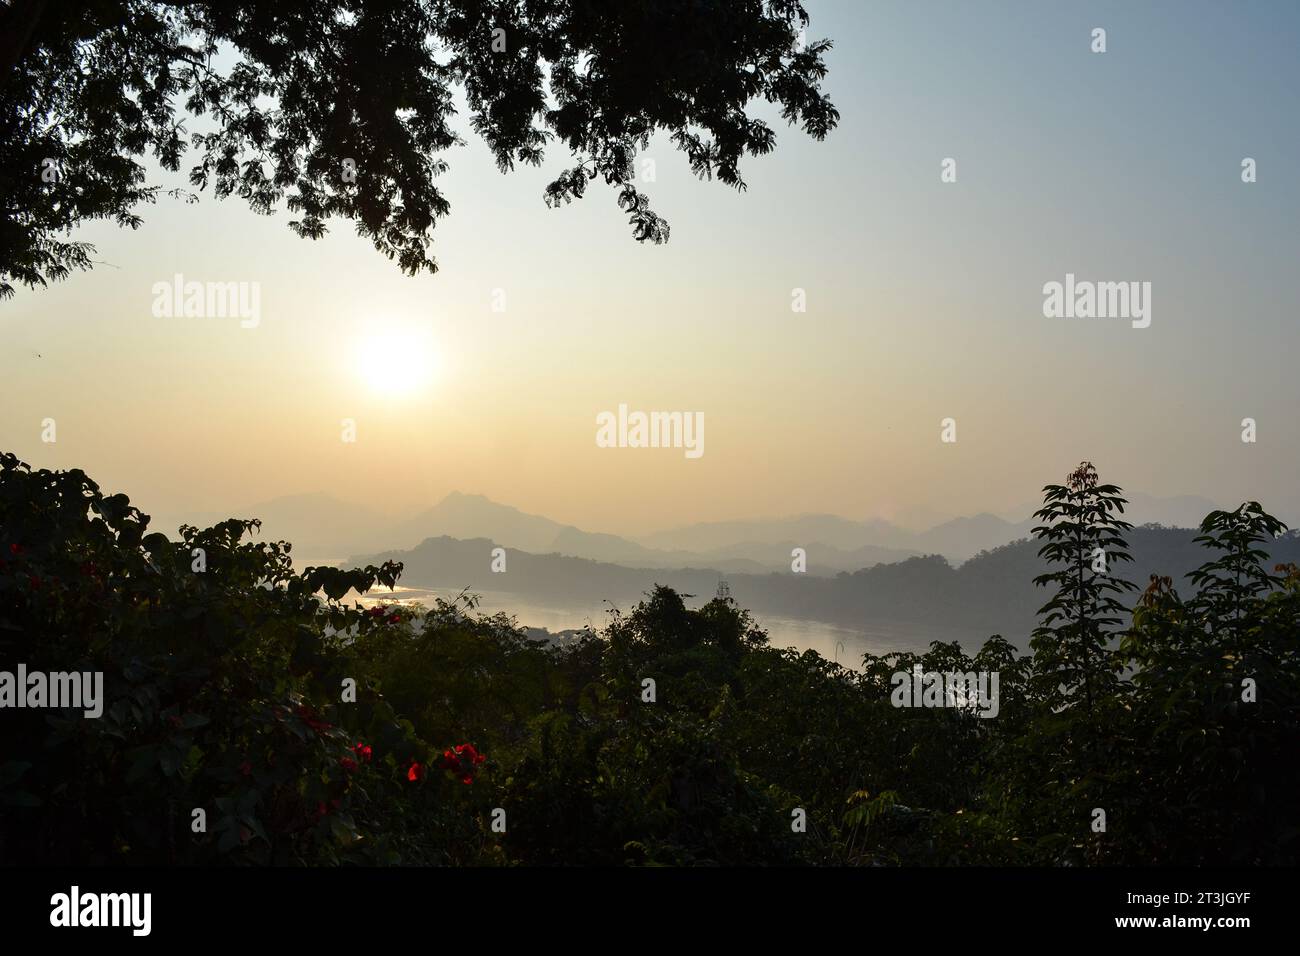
992	593
321	526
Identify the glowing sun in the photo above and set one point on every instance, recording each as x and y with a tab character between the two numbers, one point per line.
396	364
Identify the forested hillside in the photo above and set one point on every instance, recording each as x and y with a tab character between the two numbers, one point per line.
304	731
991	593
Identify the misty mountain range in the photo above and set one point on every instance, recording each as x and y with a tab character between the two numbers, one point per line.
992	593
968	577
320	526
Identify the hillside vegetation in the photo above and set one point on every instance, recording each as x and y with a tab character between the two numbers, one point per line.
1175	710
991	593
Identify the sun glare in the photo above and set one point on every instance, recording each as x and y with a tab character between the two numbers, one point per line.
396	364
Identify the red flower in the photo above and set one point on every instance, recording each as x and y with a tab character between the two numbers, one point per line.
363	751
461	759
393	619
34	581
246	768
320	810
416	771
467	750
348	763
376	612
15	549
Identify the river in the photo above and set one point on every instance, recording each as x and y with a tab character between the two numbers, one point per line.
843	645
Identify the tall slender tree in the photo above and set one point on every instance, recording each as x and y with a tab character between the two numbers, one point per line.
1083	537
1231	584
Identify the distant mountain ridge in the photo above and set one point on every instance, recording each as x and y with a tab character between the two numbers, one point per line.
993	593
321	526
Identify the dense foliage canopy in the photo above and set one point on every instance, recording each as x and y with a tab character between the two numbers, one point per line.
347	109
226	691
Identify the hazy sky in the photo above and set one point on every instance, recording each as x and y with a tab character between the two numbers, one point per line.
924	302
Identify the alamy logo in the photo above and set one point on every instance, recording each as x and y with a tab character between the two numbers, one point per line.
973	690
651	430
56	690
103	909
208	300
1098	300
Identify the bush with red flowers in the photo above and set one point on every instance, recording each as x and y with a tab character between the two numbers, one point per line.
220	693
462	760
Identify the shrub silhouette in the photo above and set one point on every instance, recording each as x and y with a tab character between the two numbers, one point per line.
224	691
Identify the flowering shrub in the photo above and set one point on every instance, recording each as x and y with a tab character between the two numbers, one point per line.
221	695
462	760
